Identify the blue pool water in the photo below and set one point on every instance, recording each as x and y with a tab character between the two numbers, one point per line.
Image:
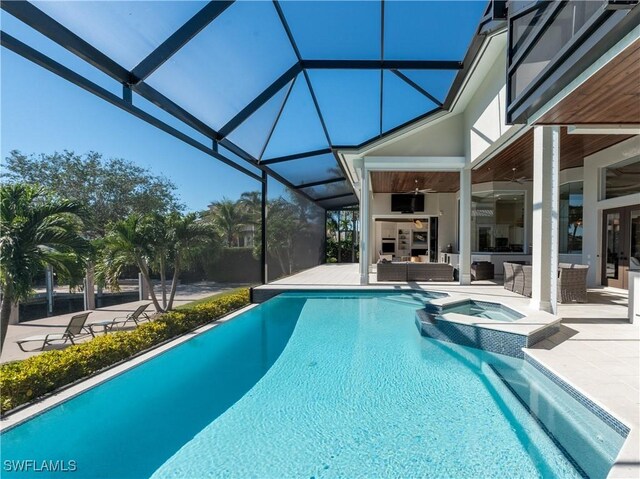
321	385
485	310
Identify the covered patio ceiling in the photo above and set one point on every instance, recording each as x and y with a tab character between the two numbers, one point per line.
276	87
519	154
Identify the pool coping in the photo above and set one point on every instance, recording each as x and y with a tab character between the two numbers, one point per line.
29	411
531	322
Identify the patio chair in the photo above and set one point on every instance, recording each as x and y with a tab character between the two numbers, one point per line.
482	270
518	279
136	317
527	273
572	283
508	275
74	329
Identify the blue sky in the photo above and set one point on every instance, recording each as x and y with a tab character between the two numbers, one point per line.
42	113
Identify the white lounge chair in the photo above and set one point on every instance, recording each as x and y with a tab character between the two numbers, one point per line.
74	329
136	316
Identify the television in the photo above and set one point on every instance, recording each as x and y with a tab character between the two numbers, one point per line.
407	203
388	247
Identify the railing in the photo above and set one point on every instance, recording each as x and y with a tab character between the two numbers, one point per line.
550	43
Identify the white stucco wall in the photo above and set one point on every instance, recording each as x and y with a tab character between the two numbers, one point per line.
443	138
484	117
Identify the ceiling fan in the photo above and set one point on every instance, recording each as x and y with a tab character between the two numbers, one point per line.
417	189
520	180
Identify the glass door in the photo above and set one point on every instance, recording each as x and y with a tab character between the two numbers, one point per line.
620	245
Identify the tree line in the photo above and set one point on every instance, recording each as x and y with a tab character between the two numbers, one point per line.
80	213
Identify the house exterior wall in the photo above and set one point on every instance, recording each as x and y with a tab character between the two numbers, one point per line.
593	205
440	139
484	118
435	203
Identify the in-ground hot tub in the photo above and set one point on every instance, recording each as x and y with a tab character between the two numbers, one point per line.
483	309
485	325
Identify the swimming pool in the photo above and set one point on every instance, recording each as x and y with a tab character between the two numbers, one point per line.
322	385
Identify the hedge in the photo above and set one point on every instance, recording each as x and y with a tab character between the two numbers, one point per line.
28	379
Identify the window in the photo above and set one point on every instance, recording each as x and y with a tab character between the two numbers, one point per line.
622	179
497	222
571	218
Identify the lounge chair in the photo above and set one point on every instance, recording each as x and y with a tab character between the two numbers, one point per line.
137	316
74	329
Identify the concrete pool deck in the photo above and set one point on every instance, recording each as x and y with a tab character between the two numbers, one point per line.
56	324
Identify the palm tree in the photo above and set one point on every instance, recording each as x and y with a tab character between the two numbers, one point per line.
251	202
228	217
188	236
161	245
128	242
36	229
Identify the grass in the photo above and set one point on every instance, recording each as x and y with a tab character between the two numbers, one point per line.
207	299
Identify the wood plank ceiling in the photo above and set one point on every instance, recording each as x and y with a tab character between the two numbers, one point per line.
611	96
519	155
405	181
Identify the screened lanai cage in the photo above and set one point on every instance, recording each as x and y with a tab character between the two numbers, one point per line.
273	89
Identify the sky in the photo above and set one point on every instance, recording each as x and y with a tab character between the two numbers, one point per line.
42	113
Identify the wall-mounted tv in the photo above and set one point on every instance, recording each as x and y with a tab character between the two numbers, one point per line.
407	203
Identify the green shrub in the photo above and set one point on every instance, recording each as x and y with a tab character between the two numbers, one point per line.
25	380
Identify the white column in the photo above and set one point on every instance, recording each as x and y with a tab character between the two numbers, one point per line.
544	259
364	226
89	289
50	286
464	265
143	289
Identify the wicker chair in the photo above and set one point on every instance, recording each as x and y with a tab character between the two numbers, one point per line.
392	272
518	279
572	284
482	270
508	275
527	275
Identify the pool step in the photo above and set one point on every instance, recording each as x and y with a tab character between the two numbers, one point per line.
411	300
571	427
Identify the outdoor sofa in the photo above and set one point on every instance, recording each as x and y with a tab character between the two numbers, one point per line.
410	271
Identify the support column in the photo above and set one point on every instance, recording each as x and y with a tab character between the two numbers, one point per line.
464	266
364	227
143	289
89	289
264	276
544	259
50	286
